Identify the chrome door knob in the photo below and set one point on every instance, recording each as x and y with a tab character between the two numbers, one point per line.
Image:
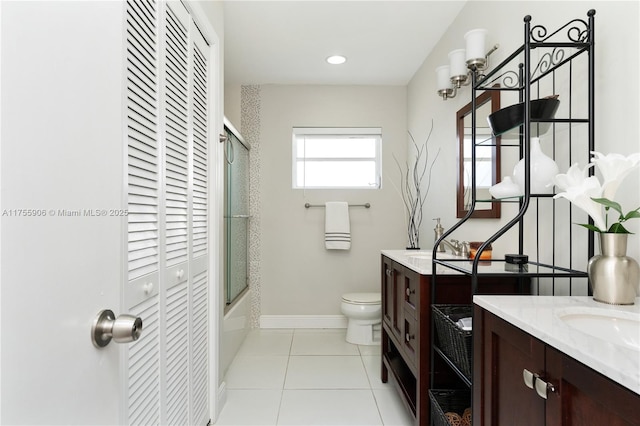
124	329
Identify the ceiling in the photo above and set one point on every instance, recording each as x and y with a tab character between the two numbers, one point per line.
286	42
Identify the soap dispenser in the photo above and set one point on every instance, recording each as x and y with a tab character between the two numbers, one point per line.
439	230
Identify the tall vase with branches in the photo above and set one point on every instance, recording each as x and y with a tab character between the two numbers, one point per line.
413	187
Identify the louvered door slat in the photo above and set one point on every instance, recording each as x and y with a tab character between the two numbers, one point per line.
176	155
144	77
178	84
144	366
199	228
144	18
200	350
200	151
142	165
176	136
148	7
140	91
141	57
174	94
138	151
143	227
142	118
139	32
177	355
142	130
176	167
176	121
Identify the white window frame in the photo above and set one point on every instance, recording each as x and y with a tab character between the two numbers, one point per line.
300	132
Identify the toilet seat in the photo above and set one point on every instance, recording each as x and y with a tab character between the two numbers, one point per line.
362	298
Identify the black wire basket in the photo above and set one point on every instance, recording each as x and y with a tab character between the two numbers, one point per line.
448	401
453	341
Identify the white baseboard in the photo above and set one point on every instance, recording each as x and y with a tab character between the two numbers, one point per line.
303	321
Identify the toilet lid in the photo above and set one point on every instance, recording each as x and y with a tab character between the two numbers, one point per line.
362	298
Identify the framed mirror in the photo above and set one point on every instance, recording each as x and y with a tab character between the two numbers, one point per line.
487	157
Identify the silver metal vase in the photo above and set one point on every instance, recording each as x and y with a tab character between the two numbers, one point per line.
613	275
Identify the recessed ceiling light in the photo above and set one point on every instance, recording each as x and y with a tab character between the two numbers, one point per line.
336	59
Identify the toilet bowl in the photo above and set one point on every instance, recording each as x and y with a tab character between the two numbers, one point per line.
363	312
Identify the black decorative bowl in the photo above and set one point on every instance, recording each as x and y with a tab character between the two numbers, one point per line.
513	116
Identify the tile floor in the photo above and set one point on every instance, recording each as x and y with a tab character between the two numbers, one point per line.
308	377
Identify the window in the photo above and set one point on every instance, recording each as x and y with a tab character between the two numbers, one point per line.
336	157
484	162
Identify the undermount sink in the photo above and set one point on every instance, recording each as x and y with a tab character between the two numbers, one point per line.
617	327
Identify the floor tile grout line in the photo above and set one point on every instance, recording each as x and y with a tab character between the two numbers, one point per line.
373	394
362	352
286	371
375	400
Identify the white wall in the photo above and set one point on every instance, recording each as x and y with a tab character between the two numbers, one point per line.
298	276
617	104
232	108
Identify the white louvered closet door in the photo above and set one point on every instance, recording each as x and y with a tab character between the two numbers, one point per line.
176	163
168	367
199	267
142	289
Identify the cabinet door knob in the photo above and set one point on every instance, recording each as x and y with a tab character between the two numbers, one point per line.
409	292
408	337
389	272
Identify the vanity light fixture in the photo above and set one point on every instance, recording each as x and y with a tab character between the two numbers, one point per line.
462	62
336	59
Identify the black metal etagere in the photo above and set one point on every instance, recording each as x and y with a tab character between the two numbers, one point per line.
561	49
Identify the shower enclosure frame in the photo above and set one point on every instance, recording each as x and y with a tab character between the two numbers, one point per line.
235	147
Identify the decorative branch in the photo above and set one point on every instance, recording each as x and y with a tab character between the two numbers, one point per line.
412	191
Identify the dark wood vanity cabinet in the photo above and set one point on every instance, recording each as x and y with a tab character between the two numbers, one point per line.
400	309
406	333
406	327
505	355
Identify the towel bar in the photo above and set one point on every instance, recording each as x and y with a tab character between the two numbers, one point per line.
365	205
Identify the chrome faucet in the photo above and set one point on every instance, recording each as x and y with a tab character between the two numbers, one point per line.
457	248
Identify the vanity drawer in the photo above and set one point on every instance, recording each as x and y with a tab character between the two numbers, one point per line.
411	295
410	338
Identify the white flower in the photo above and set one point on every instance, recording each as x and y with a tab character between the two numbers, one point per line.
580	189
614	168
574	177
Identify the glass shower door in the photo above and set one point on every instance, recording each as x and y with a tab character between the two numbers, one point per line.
236	214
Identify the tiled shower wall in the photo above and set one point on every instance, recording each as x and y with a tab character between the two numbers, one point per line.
250	125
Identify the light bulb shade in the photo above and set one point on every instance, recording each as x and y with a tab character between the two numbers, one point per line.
457	63
443	80
475	40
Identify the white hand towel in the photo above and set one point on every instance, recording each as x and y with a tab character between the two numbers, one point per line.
337	234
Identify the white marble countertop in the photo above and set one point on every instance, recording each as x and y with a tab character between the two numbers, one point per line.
540	316
421	260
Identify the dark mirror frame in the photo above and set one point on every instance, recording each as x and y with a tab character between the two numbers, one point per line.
492	96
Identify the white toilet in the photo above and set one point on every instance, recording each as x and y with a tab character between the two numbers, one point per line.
363	311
